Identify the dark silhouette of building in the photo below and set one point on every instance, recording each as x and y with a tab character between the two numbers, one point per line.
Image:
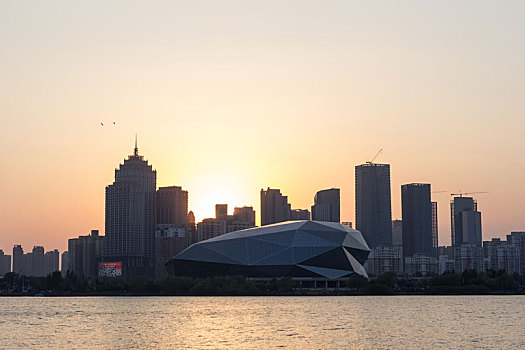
64	262
51	262
465	222
131	219
169	241
299	214
417	220
397	232
171	235
435	230
501	256
84	253
304	250
373	211
221	211
5	263
37	263
242	218
19	260
327	205
246	214
192	228
274	207
172	206
517	239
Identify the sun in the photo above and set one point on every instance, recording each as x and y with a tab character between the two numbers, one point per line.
216	188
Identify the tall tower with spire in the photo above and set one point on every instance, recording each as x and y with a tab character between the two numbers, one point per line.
130	217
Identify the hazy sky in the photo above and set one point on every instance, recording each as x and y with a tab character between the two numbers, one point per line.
228	97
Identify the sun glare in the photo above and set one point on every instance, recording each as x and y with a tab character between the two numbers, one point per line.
216	188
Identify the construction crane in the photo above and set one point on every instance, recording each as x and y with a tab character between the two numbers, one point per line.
460	194
374	157
439	191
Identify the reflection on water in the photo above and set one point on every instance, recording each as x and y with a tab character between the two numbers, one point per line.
363	322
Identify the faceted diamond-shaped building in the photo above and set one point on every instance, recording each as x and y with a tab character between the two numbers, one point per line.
299	249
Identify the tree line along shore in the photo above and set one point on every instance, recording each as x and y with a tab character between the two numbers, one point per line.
467	283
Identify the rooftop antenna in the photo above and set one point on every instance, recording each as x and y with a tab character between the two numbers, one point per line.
136	152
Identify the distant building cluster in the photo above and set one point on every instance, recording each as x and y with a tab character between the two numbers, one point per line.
409	246
146	226
37	263
241	219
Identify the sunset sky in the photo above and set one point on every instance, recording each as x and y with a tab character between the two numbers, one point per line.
229	97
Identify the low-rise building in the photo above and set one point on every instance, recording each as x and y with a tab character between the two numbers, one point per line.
420	264
445	264
469	257
299	214
500	255
385	259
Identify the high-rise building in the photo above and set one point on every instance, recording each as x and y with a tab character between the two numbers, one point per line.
51	262
221	211
327	205
5	263
36	261
517	239
64	262
171	234
192	228
397	232
373	212
274	207
417	220
130	220
84	253
299	214
19	260
465	221
172	206
435	231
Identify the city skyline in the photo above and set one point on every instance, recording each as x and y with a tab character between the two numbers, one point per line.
228	99
136	155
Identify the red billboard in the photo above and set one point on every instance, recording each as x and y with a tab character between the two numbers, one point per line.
111	269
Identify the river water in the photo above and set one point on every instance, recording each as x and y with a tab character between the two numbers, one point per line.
348	322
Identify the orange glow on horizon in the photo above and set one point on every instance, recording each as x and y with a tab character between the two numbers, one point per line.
231	98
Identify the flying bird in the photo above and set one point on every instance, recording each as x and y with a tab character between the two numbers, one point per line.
113	123
102	124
